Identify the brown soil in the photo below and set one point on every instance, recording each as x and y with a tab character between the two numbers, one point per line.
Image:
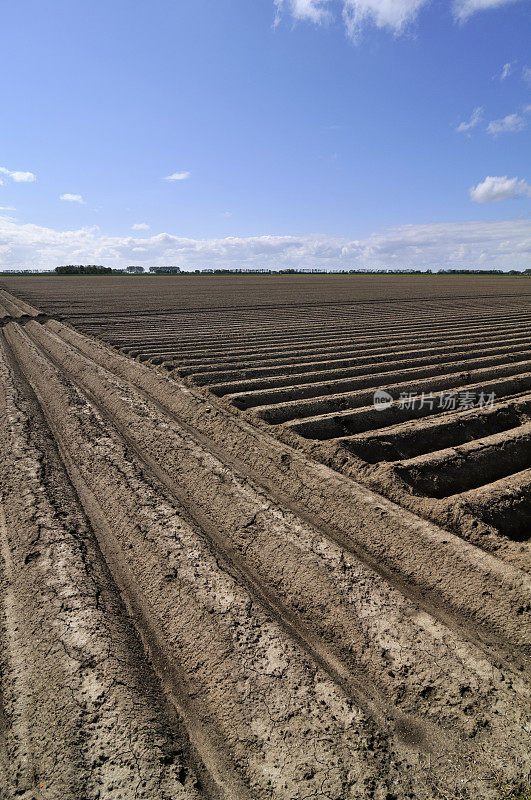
197	603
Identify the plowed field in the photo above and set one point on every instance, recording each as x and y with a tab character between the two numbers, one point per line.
226	574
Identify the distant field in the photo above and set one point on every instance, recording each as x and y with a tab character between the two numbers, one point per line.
67	295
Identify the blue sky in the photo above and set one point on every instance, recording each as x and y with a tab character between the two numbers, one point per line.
328	133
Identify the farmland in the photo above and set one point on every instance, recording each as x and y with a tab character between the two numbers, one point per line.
226	574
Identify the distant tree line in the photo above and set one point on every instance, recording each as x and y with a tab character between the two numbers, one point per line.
89	269
356	272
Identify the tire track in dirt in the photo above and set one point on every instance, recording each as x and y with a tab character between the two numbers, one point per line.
19	722
93	719
205	739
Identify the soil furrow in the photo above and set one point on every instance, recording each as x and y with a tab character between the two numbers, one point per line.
493	367
331	425
419	437
197	344
286	371
231	363
468	466
361	345
491	355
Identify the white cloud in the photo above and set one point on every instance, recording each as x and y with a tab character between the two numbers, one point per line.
313	10
72	198
7	208
463	9
506	71
227	214
512	123
140	226
495	188
177	176
526	74
394	15
475	118
23	177
503	244
17	176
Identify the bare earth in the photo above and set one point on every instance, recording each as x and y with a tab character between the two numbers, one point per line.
224	574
